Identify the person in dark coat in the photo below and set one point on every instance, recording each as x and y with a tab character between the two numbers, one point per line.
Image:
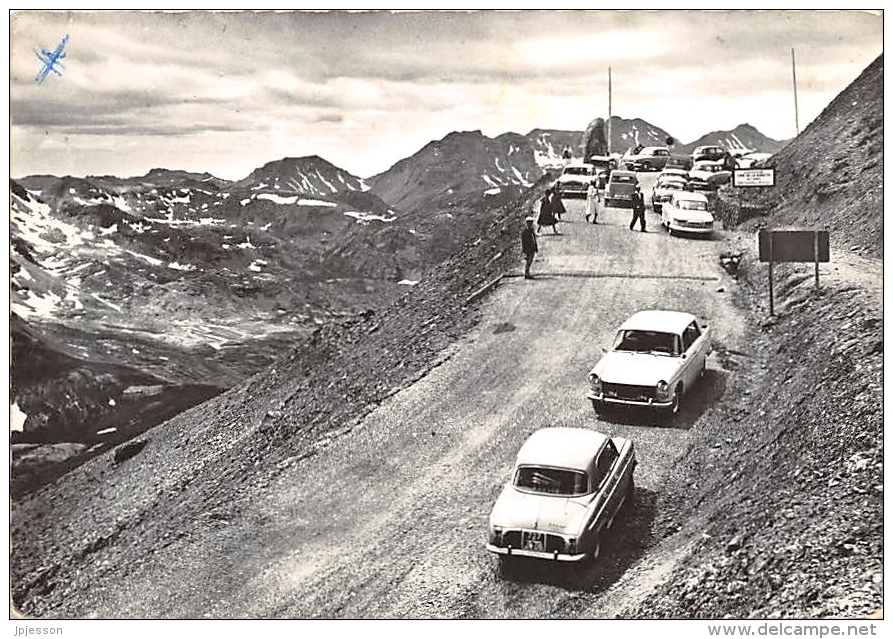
557	205
546	217
638	210
528	247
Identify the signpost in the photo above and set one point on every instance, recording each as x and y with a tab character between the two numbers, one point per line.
753	177
793	246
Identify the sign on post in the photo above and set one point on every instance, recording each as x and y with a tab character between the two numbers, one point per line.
793	246
753	177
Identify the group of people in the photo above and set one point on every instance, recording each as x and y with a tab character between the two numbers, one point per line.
552	208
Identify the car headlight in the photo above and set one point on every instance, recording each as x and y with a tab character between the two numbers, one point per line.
496	535
662	389
595	383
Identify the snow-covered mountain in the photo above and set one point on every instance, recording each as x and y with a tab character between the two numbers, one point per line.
743	136
182	284
461	164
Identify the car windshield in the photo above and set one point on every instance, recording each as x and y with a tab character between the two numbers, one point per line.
638	341
551	481
671	184
709	168
691	205
577	170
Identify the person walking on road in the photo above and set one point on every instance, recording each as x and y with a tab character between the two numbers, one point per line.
638	210
528	247
557	205
546	217
592	198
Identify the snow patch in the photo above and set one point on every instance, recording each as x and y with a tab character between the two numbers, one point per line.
181	267
408	282
17	418
493	191
365	218
151	260
106	431
277	199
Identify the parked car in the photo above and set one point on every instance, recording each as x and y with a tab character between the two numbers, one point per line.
663	189
651	158
621	187
656	358
603	165
575	179
682	162
707	175
566	488
686	212
710	152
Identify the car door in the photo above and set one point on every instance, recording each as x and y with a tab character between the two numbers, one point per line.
606	491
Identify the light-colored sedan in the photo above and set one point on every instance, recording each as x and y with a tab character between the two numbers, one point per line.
567	485
656	358
686	212
664	188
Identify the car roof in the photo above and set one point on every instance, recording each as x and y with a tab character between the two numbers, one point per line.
601	158
624	173
670	321
561	446
578	164
690	195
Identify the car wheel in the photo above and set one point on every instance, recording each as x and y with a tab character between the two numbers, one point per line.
506	565
598	406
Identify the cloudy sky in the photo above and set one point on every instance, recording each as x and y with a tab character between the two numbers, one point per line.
227	92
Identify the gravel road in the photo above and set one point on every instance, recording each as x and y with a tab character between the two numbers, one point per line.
389	519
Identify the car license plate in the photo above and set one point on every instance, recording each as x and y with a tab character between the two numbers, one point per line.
534	541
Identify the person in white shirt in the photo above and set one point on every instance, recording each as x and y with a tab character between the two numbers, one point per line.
592	199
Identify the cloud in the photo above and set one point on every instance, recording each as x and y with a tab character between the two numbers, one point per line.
273	84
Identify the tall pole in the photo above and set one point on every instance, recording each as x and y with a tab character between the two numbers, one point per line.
609	110
796	110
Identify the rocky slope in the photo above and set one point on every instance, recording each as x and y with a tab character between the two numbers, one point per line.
780	509
831	175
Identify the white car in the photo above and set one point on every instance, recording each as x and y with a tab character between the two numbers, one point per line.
686	212
566	487
656	358
664	188
575	179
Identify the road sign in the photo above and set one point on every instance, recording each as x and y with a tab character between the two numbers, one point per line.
793	246
753	177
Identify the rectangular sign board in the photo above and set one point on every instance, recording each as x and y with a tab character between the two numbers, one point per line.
753	177
794	246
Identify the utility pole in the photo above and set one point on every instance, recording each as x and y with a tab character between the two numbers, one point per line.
796	110
609	110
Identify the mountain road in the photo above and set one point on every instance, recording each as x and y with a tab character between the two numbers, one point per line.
390	519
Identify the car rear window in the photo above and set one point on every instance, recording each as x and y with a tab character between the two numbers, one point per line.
623	179
691	205
577	170
551	481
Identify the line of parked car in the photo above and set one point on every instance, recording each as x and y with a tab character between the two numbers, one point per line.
568	484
